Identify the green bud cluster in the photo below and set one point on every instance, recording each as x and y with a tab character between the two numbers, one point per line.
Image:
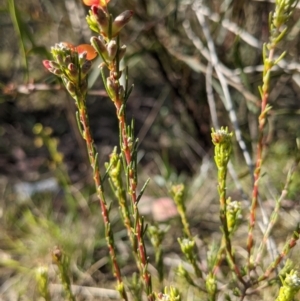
187	247
41	275
283	11
233	209
290	286
223	146
156	234
170	294
211	285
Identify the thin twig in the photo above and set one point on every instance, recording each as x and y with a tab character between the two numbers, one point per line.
210	96
228	101
274	215
215	122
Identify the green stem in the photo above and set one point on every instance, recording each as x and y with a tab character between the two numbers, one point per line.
222	175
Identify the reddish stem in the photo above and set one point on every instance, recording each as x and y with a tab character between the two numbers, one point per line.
260	147
133	185
97	179
288	246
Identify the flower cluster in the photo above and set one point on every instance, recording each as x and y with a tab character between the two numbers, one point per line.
100	21
73	63
108	48
71	66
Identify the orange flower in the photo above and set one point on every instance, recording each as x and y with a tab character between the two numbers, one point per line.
102	3
91	53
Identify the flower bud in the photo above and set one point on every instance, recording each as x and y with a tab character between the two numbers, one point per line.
117	75
68	60
59	59
56	71
98	44
71	88
47	64
187	246
83	87
112	49
54	64
41	275
211	285
72	68
111	88
92	21
85	68
223	146
102	19
120	21
170	294
100	47
232	214
72	71
82	57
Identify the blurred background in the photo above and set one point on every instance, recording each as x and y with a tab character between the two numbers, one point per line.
170	65
194	65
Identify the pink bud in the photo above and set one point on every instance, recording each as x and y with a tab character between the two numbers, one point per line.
102	19
72	72
124	17
46	64
120	21
98	44
72	67
100	47
95	9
